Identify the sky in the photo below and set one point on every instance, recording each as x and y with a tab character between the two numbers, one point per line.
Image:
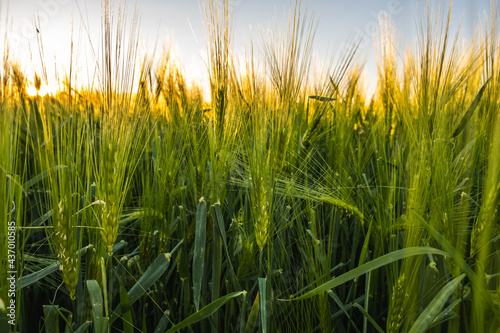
180	25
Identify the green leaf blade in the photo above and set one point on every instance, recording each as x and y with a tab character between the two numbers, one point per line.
199	251
205	312
432	310
96	300
369	266
470	111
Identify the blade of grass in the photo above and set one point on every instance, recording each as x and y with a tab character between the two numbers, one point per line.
84	328
25	281
28	280
128	326
216	262
51	318
205	312
162	325
39	221
470	110
448	313
452	252
369	266
150	276
367	315
41	176
263	303
253	316
432	310
199	251
217	215
343	308
367	303
95	294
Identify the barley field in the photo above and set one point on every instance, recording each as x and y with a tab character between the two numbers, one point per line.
291	201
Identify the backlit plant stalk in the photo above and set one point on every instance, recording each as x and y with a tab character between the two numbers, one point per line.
218	25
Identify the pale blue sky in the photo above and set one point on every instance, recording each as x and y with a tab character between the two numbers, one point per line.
180	23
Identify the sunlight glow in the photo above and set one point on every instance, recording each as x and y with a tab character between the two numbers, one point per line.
45	89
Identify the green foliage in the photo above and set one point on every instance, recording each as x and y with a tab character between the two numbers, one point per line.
432	310
96	300
369	266
287	203
199	251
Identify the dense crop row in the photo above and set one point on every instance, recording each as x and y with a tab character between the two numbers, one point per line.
286	205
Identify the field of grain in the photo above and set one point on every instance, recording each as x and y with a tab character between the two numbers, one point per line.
283	204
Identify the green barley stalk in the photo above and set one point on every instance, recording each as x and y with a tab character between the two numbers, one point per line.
219	22
11	205
316	188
